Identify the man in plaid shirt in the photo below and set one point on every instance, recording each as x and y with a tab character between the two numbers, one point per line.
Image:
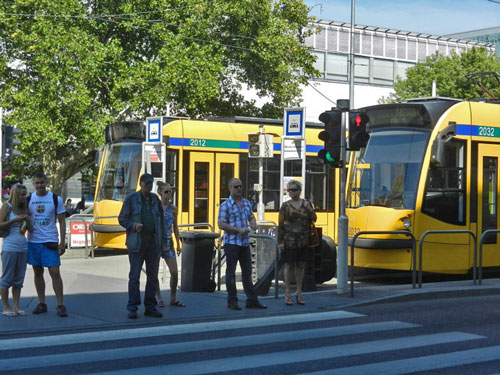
234	215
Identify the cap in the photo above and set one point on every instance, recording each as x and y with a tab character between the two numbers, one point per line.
146	177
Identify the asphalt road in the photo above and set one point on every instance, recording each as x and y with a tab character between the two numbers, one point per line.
440	336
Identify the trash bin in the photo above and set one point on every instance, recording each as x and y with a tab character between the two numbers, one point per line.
197	255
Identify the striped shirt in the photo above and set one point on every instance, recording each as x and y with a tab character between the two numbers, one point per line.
236	216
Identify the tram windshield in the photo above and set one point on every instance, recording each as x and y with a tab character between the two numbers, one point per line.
386	172
120	172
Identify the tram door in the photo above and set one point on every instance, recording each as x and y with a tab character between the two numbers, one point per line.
209	174
488	197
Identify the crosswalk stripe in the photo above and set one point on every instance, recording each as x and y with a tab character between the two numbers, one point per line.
87	337
411	365
199	345
302	355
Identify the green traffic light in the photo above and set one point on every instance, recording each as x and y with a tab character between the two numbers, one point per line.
329	158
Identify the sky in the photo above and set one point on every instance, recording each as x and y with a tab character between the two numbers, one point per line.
435	17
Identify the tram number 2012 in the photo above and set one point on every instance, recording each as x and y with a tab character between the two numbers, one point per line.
486	131
193	142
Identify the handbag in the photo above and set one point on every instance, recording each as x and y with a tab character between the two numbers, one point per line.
5	232
313	236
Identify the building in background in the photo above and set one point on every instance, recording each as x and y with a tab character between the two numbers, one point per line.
380	55
489	35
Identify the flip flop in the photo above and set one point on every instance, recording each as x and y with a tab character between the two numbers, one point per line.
177	303
9	313
21	313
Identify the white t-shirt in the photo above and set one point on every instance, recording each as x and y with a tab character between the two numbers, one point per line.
44	219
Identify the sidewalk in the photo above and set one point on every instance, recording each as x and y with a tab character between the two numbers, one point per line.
96	298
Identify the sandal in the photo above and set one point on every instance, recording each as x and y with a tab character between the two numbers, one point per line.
21	313
9	313
161	303
300	300
288	301
177	303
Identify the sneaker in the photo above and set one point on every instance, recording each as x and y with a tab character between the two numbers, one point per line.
153	313
40	308
233	306
61	311
132	314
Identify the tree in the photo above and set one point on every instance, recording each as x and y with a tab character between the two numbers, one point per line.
452	75
69	67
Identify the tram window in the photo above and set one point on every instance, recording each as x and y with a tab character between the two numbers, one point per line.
201	185
171	177
445	187
249	175
226	173
122	164
489	198
319	183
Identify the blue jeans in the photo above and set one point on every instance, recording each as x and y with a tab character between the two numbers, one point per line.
234	254
147	255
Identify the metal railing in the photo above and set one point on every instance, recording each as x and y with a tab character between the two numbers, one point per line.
276	257
414	255
474	268
266	222
481	240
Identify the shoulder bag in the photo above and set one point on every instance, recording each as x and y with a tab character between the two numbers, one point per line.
313	232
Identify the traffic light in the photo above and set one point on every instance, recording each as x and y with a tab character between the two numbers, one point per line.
260	145
358	136
9	142
331	137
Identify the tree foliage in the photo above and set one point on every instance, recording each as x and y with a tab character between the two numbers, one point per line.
452	75
70	67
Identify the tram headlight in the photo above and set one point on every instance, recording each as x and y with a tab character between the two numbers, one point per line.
406	222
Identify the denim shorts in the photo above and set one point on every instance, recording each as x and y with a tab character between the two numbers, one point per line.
41	255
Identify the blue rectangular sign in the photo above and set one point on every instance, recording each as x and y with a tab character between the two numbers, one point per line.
294	122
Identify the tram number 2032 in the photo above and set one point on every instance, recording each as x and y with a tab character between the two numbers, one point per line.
486	131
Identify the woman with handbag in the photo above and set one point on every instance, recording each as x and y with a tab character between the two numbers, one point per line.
14	221
295	219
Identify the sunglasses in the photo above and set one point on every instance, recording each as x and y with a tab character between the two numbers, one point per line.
238	186
293	189
166	191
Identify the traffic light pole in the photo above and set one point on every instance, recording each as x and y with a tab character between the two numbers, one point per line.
260	204
343	222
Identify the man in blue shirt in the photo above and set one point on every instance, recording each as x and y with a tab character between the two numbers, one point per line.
142	217
234	215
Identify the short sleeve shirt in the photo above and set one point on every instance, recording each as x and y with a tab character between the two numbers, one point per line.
236	216
42	212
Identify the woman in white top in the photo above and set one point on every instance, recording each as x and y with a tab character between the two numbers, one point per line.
15	219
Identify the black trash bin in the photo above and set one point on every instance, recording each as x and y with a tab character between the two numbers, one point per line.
197	255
